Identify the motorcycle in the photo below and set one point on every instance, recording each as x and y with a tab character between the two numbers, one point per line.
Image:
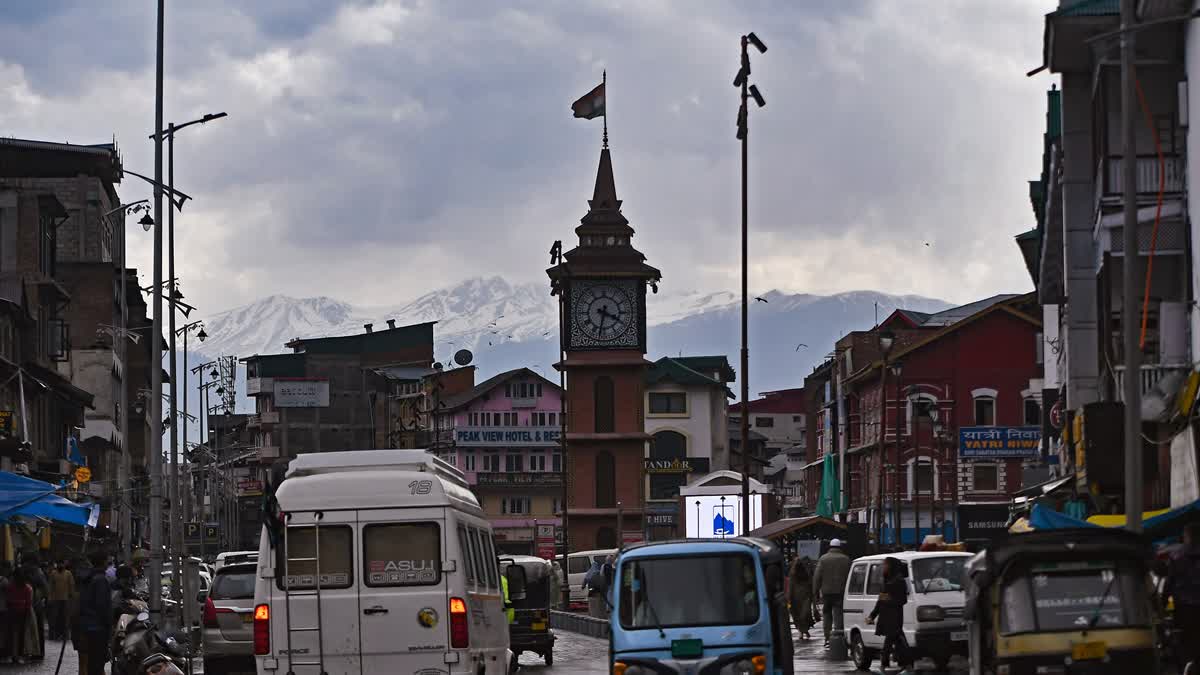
139	646
160	664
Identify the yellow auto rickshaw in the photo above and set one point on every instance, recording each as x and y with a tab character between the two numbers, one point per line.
1053	602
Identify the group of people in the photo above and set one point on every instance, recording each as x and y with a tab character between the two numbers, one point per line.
60	600
827	582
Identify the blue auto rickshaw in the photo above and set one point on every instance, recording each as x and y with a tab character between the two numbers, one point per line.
700	606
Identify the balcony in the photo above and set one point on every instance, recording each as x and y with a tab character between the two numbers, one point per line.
268	452
256	386
1110	185
1149	375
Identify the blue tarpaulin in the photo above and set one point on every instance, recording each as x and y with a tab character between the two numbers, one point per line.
1163	526
1042	518
22	496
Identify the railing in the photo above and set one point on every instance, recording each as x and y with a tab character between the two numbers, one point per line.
579	623
1148	374
1110	177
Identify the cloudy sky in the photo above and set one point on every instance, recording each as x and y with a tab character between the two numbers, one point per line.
376	151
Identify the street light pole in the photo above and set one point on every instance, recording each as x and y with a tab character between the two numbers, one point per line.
176	522
156	549
1129	278
742	80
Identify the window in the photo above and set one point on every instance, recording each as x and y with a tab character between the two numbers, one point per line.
464	543
875	579
493	566
764	421
539	389
553	419
513	463
799	419
923	473
1033	413
477	556
602	392
515	506
468	461
537	462
556	462
985	477
234	584
491	463
606	537
337	558
666	446
985	412
931	575
606	480
668	403
402	554
1061	598
508	390
497	420
735	419
858	577
661	592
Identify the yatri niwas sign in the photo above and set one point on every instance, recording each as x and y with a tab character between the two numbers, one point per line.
999	442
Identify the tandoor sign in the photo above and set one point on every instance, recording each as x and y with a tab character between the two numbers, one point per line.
999	442
677	465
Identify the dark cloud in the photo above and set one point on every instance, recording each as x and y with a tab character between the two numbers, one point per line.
442	127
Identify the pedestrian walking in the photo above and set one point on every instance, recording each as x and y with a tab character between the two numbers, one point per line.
5	579
62	592
829	580
800	590
1183	585
888	615
94	623
598	580
36	628
19	598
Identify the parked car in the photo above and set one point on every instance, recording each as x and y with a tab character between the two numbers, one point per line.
578	563
228	621
235	558
933	615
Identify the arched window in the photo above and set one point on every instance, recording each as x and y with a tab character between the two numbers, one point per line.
923	409
606	480
667	446
606	537
985	407
602	392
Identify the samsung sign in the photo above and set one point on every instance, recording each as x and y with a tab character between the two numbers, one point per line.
999	442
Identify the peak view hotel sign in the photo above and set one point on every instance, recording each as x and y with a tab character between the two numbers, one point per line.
506	437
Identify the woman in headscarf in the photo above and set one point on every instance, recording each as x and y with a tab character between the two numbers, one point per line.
889	611
800	597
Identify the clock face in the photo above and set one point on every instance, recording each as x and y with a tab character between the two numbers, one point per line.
605	314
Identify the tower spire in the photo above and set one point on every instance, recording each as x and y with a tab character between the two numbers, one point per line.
604	83
605	194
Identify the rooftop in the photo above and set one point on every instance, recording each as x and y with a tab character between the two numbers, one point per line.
459	400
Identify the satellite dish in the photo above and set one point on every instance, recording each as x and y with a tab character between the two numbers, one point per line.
437	365
463	356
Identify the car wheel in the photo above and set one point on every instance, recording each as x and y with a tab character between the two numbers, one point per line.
859	653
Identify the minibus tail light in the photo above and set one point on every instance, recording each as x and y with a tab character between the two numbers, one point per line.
262	630
460	637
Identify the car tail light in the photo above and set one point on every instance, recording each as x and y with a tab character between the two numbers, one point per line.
209	617
460	636
262	630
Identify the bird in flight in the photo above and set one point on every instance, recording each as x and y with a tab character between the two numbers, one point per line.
801	345
760	299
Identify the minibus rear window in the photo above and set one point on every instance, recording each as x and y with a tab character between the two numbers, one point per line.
337	558
402	554
465	551
578	564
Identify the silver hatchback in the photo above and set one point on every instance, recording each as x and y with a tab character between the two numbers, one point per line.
229	621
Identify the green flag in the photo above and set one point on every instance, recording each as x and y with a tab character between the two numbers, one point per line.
828	503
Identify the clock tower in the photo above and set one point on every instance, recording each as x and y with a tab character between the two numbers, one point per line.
601	288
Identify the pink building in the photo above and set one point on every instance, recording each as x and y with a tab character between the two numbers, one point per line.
504	434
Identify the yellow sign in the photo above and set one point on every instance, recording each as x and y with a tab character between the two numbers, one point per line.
83	474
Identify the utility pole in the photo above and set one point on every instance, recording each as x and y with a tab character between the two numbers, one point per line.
156	540
743	134
176	520
1129	278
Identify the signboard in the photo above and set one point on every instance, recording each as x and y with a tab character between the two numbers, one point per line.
193	529
982	521
999	442
493	437
519	480
83	474
6	422
677	465
301	393
709	516
249	487
808	548
632	537
545	541
662	515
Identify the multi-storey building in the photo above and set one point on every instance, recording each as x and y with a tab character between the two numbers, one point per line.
687	419
780	418
505	434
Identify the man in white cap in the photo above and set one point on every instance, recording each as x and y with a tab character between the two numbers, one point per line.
829	582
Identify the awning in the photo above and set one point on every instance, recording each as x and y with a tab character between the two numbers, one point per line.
21	496
1118	520
1157	525
1046	488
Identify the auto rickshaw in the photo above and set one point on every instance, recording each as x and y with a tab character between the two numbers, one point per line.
529	629
1055	602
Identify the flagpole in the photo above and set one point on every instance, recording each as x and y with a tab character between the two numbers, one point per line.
604	83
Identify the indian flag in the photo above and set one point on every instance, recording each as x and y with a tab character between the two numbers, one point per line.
590	105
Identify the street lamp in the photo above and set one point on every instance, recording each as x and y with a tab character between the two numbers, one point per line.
887	340
742	80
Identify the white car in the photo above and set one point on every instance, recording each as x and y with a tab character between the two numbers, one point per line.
235	558
933	615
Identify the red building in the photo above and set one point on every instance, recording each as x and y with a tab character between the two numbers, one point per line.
933	415
601	286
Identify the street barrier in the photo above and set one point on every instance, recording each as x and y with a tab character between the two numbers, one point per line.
579	623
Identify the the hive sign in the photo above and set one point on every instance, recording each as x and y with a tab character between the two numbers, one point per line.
722	526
